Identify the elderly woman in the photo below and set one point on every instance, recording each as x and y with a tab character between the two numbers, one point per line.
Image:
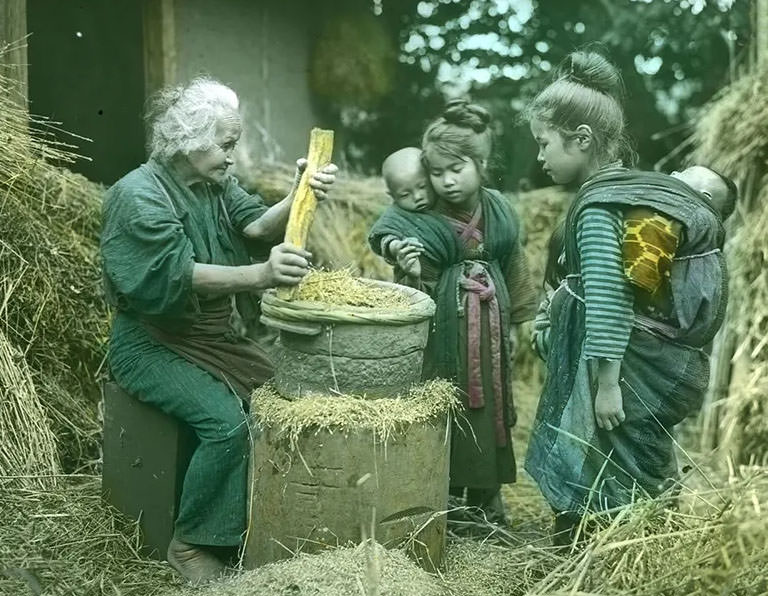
178	234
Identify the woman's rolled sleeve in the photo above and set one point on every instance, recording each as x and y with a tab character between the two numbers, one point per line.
242	208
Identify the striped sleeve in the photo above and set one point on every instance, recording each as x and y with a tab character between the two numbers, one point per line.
607	293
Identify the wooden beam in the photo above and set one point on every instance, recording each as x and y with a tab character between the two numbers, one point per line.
159	24
305	202
14	45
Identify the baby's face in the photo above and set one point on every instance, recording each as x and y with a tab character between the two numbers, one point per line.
410	190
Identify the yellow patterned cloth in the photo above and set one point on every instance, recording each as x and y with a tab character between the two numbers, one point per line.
650	243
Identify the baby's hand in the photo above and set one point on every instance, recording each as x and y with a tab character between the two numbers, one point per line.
397	246
408	260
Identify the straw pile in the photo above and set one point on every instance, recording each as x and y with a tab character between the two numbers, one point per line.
731	134
51	309
342	288
745	420
347	413
67	542
540	211
368	569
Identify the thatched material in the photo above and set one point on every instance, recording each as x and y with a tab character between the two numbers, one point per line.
540	211
345	413
50	298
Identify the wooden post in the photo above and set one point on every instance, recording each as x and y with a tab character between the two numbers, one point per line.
13	30
159	44
761	32
305	202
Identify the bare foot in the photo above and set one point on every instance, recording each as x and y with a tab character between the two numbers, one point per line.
193	562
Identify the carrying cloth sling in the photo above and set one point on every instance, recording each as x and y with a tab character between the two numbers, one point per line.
665	369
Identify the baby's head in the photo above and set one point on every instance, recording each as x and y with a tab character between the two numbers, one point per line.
406	180
719	189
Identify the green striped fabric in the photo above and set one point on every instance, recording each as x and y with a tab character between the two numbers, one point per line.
607	293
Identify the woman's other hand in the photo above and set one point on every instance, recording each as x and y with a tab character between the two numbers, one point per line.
321	181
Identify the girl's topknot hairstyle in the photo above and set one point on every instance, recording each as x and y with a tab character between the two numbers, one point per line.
587	89
463	131
462	113
592	70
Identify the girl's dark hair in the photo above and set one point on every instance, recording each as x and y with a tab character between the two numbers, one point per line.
587	90
463	130
554	272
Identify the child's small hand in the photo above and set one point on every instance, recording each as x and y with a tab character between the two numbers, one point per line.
609	406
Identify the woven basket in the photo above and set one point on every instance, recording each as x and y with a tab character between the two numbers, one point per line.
327	348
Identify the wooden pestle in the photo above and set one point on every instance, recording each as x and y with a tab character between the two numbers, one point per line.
305	202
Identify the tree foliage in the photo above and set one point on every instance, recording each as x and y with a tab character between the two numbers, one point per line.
674	55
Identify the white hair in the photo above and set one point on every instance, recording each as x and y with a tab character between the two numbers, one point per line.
183	118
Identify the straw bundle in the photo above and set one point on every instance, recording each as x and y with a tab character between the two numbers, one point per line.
28	454
347	413
354	60
52	307
540	211
480	568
